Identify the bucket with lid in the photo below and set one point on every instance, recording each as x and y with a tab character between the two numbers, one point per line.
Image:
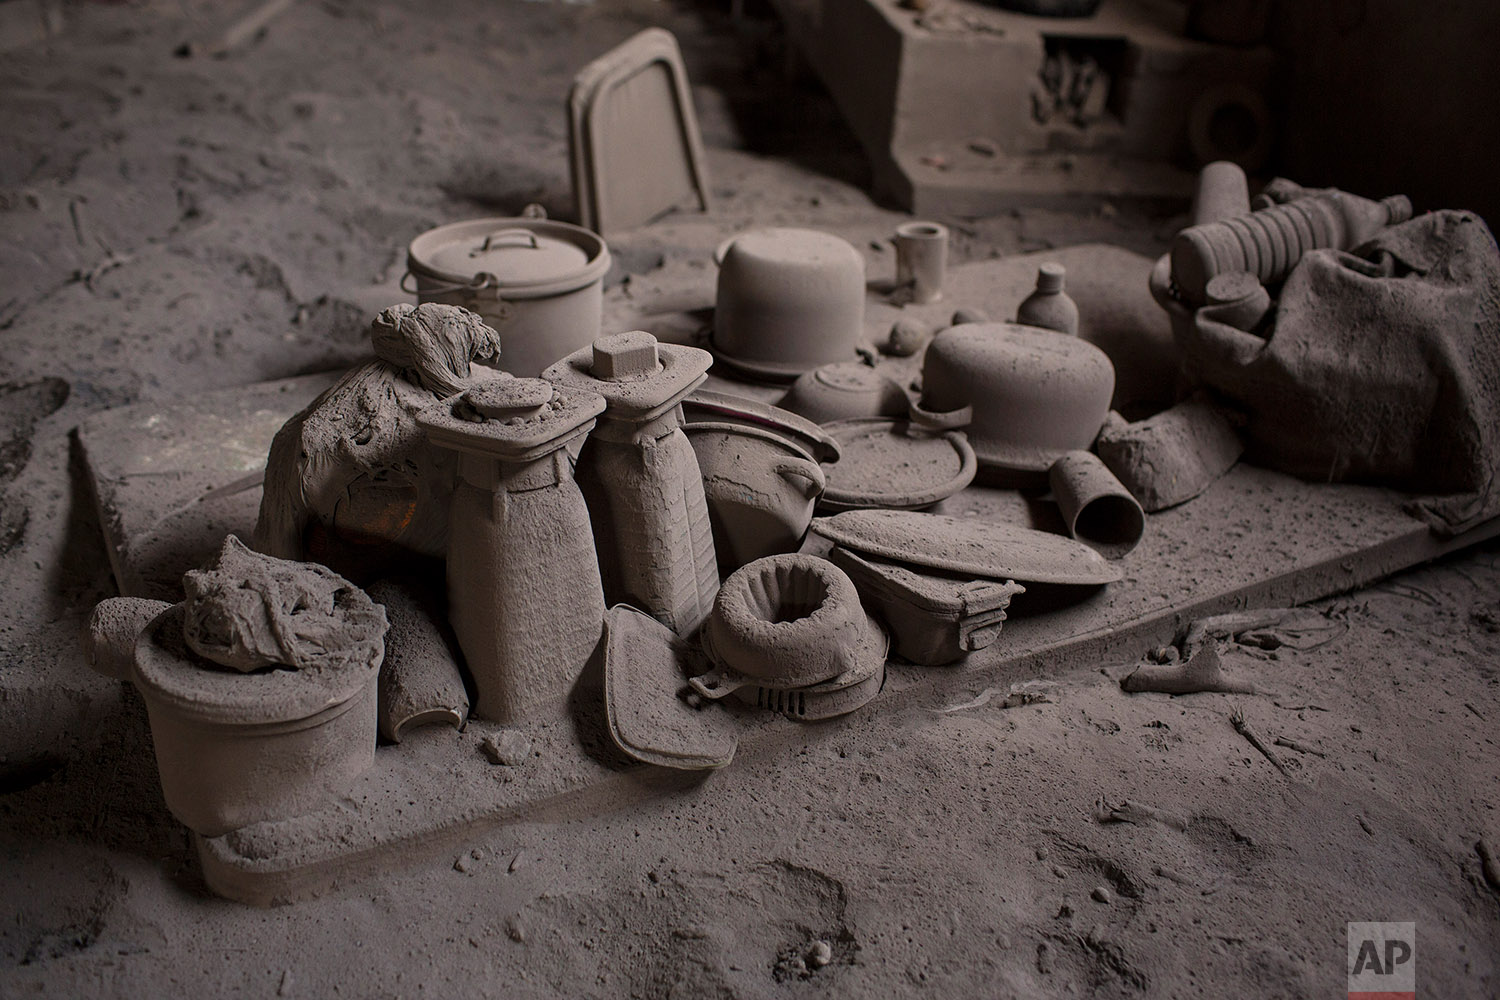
538	283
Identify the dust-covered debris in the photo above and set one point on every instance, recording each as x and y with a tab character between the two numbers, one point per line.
508	747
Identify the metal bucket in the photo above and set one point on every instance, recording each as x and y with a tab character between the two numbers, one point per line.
539	283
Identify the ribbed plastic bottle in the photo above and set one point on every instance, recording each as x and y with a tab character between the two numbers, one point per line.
641	479
524	594
1050	307
1270	242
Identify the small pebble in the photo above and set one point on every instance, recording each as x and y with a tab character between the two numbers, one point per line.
1042	854
508	747
1166	654
517	862
515	932
907	338
966	315
1101	895
820	954
1059	872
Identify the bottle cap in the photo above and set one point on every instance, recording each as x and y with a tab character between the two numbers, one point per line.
1050	277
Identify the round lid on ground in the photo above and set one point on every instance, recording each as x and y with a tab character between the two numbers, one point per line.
884	465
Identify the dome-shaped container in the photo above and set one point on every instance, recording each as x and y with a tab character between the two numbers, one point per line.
788	300
1035	395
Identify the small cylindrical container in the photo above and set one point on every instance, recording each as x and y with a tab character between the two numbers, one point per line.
1238	299
1049	307
524	593
922	259
1098	511
1222	192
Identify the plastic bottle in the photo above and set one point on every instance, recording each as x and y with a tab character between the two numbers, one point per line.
1049	307
524	593
1269	243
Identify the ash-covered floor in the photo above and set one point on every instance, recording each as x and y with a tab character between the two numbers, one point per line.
173	225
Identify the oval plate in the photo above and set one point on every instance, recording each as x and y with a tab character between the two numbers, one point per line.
989	549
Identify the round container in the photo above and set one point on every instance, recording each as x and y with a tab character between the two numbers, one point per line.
234	749
788	300
887	465
1035	395
789	621
922	259
842	391
539	283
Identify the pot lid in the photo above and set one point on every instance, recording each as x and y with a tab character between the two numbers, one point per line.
513	418
709	406
515	255
990	549
526	257
883	464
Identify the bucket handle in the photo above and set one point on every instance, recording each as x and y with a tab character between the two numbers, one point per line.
483	286
475	285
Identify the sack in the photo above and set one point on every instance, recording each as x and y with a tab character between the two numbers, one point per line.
1381	365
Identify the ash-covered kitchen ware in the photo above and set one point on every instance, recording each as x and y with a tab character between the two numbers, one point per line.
641	477
537	282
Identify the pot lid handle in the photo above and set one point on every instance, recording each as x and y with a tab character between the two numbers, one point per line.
505	237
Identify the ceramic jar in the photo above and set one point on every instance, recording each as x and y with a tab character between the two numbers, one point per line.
524	593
